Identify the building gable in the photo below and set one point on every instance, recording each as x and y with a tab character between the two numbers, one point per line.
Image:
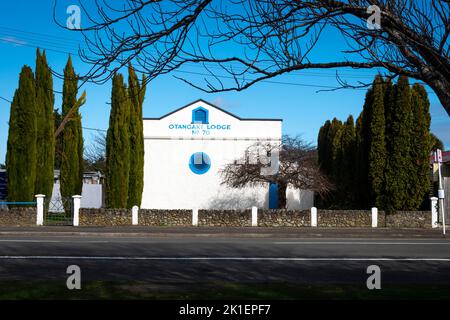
199	102
203	120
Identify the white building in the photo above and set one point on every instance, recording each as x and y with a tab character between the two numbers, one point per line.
185	149
92	194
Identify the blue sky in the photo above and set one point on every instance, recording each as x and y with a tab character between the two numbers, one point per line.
25	24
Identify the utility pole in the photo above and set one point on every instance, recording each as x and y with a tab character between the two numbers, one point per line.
441	193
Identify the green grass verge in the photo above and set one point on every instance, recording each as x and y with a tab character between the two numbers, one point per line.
18	290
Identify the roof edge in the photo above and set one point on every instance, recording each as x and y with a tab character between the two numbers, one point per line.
213	105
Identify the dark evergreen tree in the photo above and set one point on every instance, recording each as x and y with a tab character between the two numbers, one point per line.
376	144
360	166
72	137
391	147
435	142
58	140
324	148
21	150
334	140
333	160
363	141
45	142
348	156
420	183
118	146
399	164
136	93
389	108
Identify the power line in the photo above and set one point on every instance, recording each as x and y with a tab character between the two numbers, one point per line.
268	81
38	46
59	45
86	128
5	99
183	71
64	49
20	40
37	34
95	129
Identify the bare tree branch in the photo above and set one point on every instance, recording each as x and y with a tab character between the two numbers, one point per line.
251	41
69	116
297	168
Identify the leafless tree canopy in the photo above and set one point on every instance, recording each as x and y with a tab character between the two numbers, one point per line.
241	42
95	154
297	168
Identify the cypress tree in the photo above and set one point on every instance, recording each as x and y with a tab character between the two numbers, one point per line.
376	144
324	159
359	164
363	140
72	138
335	158
320	145
389	108
348	155
399	169
118	146
435	142
58	141
420	146
386	165
136	93
21	150
389	111
334	141
45	127
323	148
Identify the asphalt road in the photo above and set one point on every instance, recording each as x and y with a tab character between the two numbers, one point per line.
184	258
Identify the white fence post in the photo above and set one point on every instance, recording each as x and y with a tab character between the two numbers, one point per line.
254	216
195	217
39	209
76	210
434	212
374	217
134	215
313	217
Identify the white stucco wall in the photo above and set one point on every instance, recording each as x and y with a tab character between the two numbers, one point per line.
299	199
169	183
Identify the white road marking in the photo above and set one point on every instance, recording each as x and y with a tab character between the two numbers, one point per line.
49	241
360	243
217	258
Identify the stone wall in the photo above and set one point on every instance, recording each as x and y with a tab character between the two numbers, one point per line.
225	218
240	218
151	217
20	217
105	217
284	218
344	218
407	219
363	219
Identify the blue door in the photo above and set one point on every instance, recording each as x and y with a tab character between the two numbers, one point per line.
273	196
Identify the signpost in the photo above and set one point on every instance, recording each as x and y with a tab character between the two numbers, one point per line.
441	193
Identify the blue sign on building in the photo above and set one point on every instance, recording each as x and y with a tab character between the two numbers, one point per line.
3	190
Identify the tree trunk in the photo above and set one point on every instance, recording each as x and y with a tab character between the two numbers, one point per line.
282	187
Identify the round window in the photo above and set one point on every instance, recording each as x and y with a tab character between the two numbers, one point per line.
199	163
